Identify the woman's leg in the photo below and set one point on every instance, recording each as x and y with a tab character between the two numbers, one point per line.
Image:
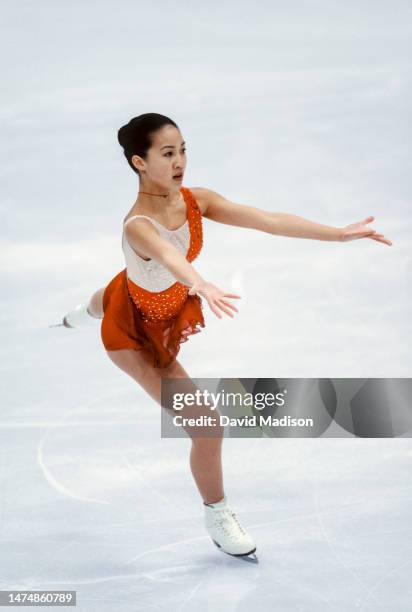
206	453
95	304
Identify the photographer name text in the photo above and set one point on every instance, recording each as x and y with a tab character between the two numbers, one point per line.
244	421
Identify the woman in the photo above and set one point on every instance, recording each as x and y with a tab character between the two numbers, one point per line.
154	304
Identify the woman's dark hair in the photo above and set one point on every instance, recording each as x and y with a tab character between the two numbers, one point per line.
136	136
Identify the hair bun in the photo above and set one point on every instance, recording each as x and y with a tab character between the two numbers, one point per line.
124	135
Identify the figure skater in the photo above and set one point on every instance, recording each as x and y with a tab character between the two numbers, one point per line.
154	304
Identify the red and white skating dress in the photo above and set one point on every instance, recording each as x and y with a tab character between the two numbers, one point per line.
144	306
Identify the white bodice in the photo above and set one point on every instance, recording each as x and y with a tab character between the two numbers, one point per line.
151	275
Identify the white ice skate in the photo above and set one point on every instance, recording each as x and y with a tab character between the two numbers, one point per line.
79	316
225	530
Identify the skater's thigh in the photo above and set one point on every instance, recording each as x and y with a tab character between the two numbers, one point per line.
137	364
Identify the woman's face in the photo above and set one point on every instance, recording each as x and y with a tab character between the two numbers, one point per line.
165	159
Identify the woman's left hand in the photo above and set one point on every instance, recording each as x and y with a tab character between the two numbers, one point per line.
359	230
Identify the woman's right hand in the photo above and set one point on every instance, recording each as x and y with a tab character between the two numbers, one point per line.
215	297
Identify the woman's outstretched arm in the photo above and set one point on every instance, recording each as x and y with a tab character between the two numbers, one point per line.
217	208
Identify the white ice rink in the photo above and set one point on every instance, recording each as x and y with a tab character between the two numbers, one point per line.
298	107
93	500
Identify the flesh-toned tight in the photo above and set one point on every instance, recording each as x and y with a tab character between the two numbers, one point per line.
206	452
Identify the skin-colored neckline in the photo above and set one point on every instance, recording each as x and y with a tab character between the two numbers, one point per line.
161	224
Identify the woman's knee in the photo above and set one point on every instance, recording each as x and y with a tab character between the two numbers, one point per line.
209	444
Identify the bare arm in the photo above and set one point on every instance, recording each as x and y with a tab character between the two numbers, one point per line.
142	236
217	208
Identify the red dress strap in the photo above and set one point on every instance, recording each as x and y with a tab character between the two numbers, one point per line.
195	224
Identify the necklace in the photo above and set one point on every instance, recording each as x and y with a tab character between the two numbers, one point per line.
155	194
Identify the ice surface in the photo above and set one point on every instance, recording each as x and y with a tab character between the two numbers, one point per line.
299	108
93	500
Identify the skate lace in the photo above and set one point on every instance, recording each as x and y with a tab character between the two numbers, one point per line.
228	518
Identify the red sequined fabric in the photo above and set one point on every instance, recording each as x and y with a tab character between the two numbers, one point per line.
157	322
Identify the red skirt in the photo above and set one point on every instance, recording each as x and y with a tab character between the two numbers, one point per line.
125	326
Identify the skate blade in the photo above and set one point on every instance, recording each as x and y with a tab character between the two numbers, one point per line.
250	557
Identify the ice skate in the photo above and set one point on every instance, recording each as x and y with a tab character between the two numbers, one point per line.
226	532
79	316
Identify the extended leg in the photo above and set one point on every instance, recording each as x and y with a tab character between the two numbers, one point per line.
95	305
82	314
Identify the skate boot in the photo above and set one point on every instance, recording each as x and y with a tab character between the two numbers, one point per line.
79	316
226	531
